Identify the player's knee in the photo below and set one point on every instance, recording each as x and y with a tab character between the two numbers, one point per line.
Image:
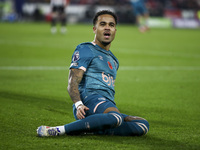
118	118
143	127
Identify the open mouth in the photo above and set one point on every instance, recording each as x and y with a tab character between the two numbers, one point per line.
106	34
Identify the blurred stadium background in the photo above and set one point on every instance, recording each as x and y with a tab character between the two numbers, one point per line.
163	13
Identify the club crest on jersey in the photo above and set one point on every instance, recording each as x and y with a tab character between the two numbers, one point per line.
109	65
76	56
115	64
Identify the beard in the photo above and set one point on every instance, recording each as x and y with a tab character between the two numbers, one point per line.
105	43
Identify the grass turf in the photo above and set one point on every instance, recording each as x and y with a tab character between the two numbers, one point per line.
158	79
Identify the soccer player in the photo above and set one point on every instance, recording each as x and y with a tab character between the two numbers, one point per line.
141	13
91	87
58	14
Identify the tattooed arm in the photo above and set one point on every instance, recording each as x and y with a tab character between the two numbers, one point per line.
75	77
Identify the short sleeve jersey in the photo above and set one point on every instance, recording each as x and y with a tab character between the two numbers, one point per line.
100	68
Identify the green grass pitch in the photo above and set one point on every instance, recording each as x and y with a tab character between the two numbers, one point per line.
158	79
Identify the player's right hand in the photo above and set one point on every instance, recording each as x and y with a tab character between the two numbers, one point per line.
80	113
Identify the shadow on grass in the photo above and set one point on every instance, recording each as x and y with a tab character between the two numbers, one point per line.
45	102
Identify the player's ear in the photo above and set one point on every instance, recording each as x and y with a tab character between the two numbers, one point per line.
94	29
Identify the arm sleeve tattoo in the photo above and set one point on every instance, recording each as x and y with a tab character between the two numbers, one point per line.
75	77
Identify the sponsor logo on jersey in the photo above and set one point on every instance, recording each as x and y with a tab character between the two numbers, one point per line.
109	65
76	56
108	79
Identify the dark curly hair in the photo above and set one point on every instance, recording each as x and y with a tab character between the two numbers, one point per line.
103	12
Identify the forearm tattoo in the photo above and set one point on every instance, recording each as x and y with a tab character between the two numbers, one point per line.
75	77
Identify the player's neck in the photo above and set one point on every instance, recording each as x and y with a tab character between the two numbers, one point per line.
107	47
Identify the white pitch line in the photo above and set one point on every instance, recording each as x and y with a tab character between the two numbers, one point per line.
159	53
121	68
